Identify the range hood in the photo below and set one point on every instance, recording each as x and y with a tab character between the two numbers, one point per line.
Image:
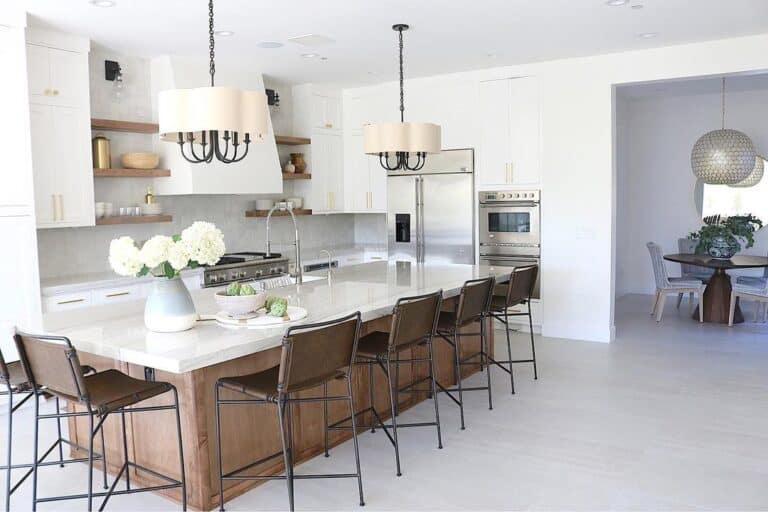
258	174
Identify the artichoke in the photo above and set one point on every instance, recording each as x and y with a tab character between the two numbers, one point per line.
247	289
233	289
276	306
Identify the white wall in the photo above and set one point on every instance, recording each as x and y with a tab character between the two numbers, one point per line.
659	203
578	168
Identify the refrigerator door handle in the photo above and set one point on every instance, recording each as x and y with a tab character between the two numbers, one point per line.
421	219
418	220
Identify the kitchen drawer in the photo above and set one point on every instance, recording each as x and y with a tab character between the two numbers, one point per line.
119	294
67	301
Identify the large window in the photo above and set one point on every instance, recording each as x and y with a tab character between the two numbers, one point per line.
727	201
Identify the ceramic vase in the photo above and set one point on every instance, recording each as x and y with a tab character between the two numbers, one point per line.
297	159
722	249
169	307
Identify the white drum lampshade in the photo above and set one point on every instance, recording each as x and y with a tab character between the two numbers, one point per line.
394	137
756	175
205	109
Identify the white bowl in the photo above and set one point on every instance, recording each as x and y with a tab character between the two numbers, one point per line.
239	305
264	204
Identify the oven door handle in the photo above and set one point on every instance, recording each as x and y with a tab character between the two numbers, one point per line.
520	204
510	259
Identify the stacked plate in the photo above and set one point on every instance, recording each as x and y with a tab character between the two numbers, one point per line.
151	209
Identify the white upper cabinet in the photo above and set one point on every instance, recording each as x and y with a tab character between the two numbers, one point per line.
63	172
509	147
365	181
16	194
327	195
55	76
316	109
258	173
60	130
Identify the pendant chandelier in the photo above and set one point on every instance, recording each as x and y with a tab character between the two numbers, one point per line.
212	122
754	177
401	146
723	157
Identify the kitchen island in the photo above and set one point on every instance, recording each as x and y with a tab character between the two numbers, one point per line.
114	336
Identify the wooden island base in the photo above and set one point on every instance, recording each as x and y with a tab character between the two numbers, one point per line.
248	432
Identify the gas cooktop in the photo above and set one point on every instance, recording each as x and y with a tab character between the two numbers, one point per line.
243	266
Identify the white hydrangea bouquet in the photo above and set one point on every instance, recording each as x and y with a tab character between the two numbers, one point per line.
202	243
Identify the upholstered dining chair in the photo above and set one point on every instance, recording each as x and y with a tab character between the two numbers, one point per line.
757	292
688	246
666	285
761	309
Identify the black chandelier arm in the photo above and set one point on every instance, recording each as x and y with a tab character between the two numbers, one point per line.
384	161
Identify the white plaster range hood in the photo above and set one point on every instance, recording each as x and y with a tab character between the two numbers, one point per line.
260	173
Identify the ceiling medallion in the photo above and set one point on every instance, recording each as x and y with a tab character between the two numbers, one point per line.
212	122
723	157
401	146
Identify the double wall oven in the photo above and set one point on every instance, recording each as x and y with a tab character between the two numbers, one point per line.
510	234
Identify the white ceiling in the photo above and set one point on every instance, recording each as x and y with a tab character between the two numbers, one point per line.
446	35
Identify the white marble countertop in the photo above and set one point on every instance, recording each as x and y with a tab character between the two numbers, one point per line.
117	331
80	282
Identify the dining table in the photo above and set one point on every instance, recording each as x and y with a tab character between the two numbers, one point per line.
717	295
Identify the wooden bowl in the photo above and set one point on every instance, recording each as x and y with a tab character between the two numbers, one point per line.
140	160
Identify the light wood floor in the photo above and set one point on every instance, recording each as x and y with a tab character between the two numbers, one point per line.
671	416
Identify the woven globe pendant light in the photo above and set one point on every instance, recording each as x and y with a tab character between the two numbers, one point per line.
755	177
723	157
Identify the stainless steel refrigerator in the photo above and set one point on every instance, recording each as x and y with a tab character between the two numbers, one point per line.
430	211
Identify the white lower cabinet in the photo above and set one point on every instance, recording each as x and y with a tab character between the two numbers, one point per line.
120	293
67	301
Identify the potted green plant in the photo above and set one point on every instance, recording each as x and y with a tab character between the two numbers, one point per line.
721	237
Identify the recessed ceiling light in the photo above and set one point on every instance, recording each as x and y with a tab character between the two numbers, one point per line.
269	44
102	3
309	55
224	33
647	35
616	3
311	40
637	6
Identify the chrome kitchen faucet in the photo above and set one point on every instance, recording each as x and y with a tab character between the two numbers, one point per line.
296	243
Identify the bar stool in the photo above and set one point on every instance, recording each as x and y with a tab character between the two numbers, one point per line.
474	301
312	354
52	366
414	320
14	380
517	291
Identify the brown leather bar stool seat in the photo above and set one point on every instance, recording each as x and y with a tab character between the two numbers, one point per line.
111	390
52	365
473	306
414	320
263	385
515	292
14	379
312	355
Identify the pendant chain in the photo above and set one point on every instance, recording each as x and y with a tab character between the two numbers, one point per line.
402	95
723	103
212	69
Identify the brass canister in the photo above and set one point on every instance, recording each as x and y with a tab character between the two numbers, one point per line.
102	159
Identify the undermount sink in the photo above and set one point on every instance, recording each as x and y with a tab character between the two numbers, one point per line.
271	283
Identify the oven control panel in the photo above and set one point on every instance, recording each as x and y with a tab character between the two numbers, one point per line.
505	196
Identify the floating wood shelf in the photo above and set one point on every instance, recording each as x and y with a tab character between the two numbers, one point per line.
131	173
133	219
287	140
123	126
296	176
277	213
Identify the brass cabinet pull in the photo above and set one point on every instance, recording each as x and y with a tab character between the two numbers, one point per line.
72	301
61	207
55	92
117	294
53	206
